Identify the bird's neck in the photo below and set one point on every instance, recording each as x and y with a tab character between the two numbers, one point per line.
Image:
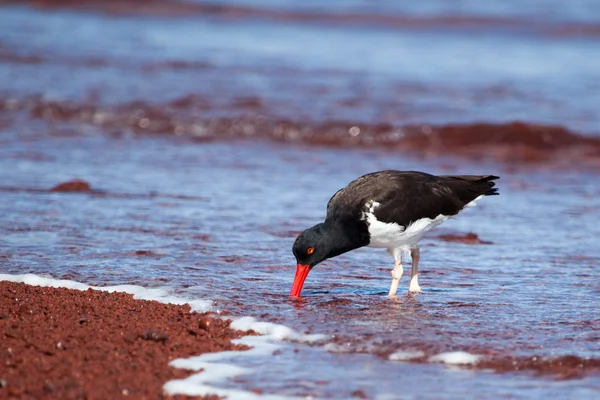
341	237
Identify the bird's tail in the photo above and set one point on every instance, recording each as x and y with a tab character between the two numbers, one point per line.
469	187
484	184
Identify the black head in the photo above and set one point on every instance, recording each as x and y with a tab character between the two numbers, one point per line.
321	242
311	246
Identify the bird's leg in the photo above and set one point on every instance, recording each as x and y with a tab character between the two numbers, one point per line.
396	272
415	254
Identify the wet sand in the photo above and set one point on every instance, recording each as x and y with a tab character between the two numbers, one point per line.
174	147
71	344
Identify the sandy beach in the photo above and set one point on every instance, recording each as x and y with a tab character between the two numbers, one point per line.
58	343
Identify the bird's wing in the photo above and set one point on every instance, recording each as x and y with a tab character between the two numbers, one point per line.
407	196
427	197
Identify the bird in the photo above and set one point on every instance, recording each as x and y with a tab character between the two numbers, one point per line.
387	209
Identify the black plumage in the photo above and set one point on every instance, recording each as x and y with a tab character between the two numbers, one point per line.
407	196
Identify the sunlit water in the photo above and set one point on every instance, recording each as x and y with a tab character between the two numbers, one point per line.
216	221
318	70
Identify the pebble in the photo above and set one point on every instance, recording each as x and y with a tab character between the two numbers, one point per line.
205	323
154	335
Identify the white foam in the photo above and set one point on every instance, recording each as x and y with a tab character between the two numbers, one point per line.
215	367
138	292
455	358
341	348
274	331
338	348
405	355
215	370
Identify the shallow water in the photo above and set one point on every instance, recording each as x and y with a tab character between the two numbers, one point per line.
171	217
215	219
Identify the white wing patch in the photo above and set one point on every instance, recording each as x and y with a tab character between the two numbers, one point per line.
393	235
472	203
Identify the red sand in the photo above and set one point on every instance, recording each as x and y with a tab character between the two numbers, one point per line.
70	344
75	185
466	238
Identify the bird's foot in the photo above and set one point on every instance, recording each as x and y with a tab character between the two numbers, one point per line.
414	289
414	285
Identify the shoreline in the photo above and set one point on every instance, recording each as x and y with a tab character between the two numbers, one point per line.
59	343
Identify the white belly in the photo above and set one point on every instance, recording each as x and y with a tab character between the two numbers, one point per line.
392	236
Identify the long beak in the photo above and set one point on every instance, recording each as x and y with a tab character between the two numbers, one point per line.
301	274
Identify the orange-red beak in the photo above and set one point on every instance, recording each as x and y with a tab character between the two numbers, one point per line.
301	274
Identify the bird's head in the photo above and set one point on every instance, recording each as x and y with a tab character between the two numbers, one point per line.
319	243
310	248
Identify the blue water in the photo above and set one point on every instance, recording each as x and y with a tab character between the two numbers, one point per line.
216	219
219	221
312	71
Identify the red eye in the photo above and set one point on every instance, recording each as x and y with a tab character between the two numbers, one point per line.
310	250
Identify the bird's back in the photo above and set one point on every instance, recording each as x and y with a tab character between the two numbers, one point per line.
403	197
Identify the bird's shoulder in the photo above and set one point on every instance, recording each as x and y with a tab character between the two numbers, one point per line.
390	190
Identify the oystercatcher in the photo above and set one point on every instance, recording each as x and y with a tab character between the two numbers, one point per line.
387	209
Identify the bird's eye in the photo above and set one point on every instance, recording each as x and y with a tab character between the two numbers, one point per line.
310	250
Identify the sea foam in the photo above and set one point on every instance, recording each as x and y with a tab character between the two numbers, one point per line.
214	366
455	358
405	355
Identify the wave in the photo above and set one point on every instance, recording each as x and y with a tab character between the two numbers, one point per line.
219	367
512	142
560	367
385	18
